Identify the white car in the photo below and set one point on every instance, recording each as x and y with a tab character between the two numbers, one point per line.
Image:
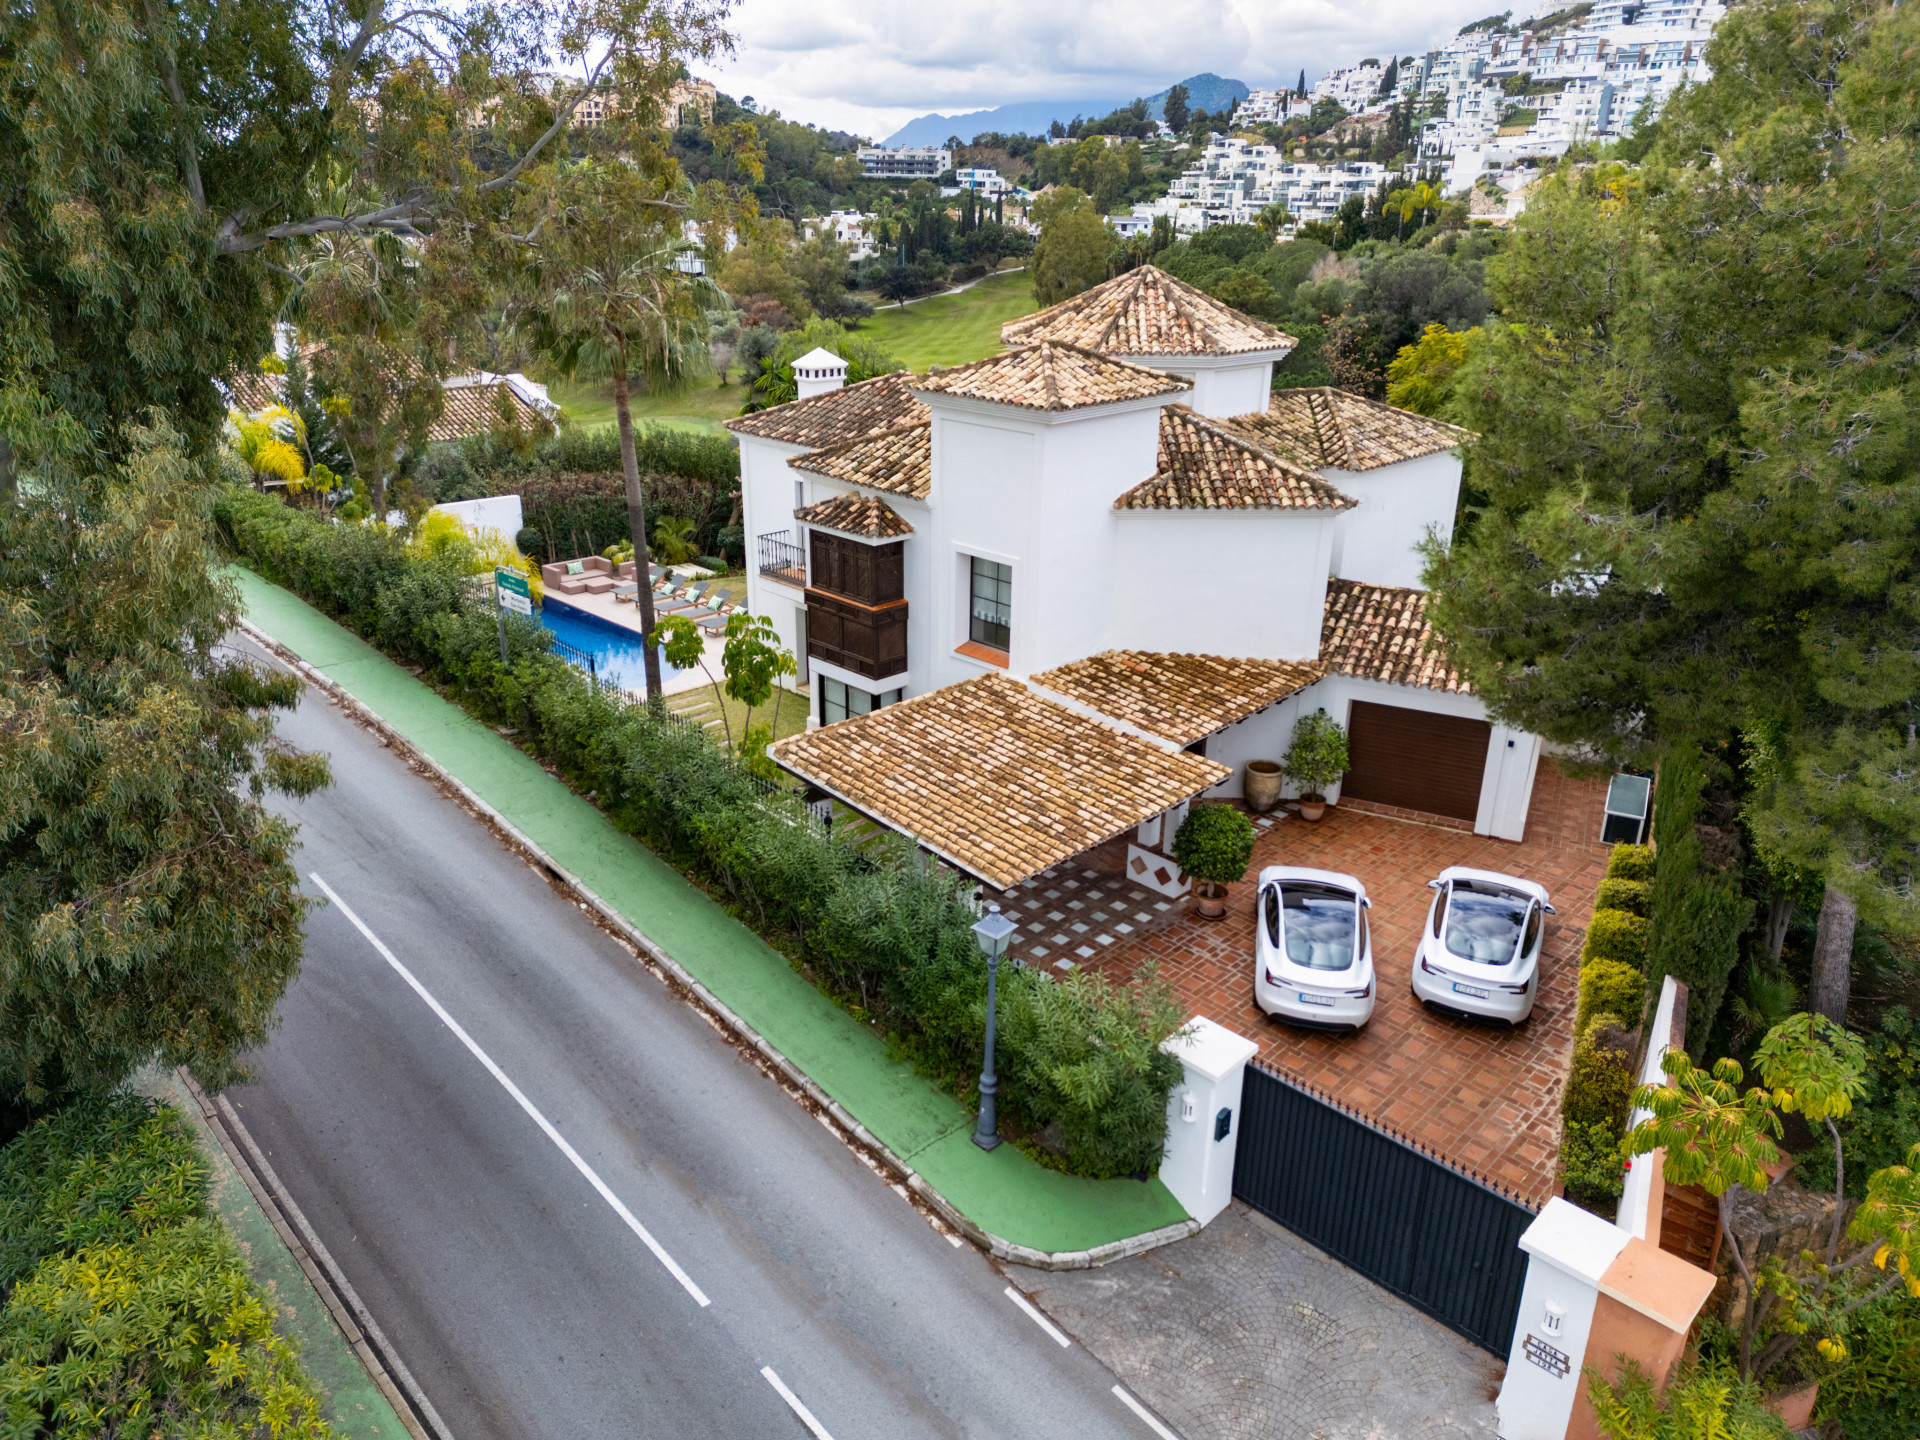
1480	948
1313	960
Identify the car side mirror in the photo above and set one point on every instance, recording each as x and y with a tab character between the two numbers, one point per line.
1434	884
1366	902
1549	909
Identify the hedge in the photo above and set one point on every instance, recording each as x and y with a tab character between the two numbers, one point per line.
1630	862
1601	1080
1079	1056
125	1306
1608	987
1615	935
1627	895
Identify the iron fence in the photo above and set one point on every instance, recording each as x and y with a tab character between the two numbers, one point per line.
587	660
780	556
1439	1236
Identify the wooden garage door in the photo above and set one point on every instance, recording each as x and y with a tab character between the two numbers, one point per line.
1416	760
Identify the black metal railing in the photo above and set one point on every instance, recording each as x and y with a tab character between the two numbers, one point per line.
587	660
782	559
1436	1234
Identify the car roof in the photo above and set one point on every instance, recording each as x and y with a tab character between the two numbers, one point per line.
1467	872
1317	877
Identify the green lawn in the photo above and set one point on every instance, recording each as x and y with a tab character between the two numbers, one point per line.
952	329
700	408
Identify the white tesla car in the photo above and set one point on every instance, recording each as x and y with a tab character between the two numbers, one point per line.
1480	949
1314	959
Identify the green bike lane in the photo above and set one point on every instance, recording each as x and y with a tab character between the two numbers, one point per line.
1003	1192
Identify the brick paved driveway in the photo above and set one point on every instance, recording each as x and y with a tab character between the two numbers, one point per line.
1486	1097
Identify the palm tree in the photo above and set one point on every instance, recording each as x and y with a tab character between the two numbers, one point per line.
605	240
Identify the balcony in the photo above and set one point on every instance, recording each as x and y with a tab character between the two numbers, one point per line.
869	640
783	560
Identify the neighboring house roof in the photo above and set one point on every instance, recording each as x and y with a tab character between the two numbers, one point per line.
1342	431
1207	465
994	778
1147	312
1051	376
1181	698
852	514
475	410
250	391
1381	632
899	460
838	415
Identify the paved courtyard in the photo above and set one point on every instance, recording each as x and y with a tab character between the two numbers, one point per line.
1486	1097
1246	1332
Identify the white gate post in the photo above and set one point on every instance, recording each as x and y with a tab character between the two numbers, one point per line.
1203	1115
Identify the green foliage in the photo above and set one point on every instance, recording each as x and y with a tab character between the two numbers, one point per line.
1698	1402
1592	1169
1698	909
1813	1067
1071	255
1630	862
1625	895
1875	1391
125	1301
873	928
1618	936
1600	1081
1609	987
1885	1117
1715	1135
1420	378
1214	843
1316	757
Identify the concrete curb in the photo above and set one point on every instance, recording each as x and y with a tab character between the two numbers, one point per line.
732	1024
362	1332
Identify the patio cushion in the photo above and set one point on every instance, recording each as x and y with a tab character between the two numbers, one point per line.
574	567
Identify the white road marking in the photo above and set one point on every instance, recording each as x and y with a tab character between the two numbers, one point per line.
619	1207
1059	1335
1152	1424
955	1241
806	1415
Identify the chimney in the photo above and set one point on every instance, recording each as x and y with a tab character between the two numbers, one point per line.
817	372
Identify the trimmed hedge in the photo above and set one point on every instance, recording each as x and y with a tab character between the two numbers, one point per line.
1627	895
1608	987
1631	862
1615	935
1079	1054
1600	1082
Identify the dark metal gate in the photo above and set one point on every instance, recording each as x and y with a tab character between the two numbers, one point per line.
1439	1238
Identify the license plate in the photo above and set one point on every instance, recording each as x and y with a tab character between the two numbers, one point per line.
1474	990
1309	998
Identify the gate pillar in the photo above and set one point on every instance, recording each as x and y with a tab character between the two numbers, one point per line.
1594	1295
1203	1115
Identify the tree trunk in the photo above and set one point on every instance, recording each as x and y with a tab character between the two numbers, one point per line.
636	523
1779	915
1833	955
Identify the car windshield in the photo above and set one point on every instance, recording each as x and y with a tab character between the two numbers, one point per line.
1483	921
1319	924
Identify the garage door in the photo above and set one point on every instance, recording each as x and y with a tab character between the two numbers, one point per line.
1416	760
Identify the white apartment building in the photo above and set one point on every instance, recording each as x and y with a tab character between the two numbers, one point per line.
1085	580
909	162
845	227
987	182
1233	180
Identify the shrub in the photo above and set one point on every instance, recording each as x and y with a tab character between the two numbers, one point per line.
1600	1082
1607	987
1317	756
1214	844
871	926
1618	936
1631	862
1627	895
1592	1169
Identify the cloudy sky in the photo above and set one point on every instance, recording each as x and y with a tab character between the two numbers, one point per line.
857	65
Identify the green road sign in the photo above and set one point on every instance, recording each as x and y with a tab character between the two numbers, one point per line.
511	588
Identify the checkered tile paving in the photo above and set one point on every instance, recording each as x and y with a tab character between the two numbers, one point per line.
1070	914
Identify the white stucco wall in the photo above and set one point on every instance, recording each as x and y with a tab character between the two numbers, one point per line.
492	512
1375	541
766	505
1223	385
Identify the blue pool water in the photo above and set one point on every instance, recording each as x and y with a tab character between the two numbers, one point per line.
621	658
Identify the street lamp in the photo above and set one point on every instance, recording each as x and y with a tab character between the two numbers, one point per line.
991	931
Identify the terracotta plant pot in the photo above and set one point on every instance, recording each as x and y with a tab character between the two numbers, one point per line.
1261	788
1795	1407
1312	807
1209	901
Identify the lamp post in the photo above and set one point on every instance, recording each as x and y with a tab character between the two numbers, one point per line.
991	931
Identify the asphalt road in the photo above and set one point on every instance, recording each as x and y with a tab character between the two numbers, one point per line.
528	1300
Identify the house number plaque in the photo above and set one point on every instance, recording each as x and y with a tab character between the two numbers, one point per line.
1554	1362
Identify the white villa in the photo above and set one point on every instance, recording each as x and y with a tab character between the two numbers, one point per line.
1050	597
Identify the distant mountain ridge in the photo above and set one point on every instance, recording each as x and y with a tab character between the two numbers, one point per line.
1205	91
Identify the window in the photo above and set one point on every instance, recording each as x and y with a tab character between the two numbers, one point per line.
992	614
841	701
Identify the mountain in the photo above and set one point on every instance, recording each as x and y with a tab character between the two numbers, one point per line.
1207	92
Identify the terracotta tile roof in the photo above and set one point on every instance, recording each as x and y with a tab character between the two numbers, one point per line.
1148	312
852	514
844	414
1207	465
994	778
1051	376
250	391
474	410
899	461
1177	697
1327	427
1380	632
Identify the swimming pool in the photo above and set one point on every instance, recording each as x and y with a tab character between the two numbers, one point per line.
620	657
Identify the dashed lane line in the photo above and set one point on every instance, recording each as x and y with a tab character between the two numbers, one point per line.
1145	1414
1033	1314
806	1415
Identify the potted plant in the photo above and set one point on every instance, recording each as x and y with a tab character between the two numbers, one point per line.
1261	787
1214	846
1316	759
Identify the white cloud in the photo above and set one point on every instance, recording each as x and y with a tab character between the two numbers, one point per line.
852	65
